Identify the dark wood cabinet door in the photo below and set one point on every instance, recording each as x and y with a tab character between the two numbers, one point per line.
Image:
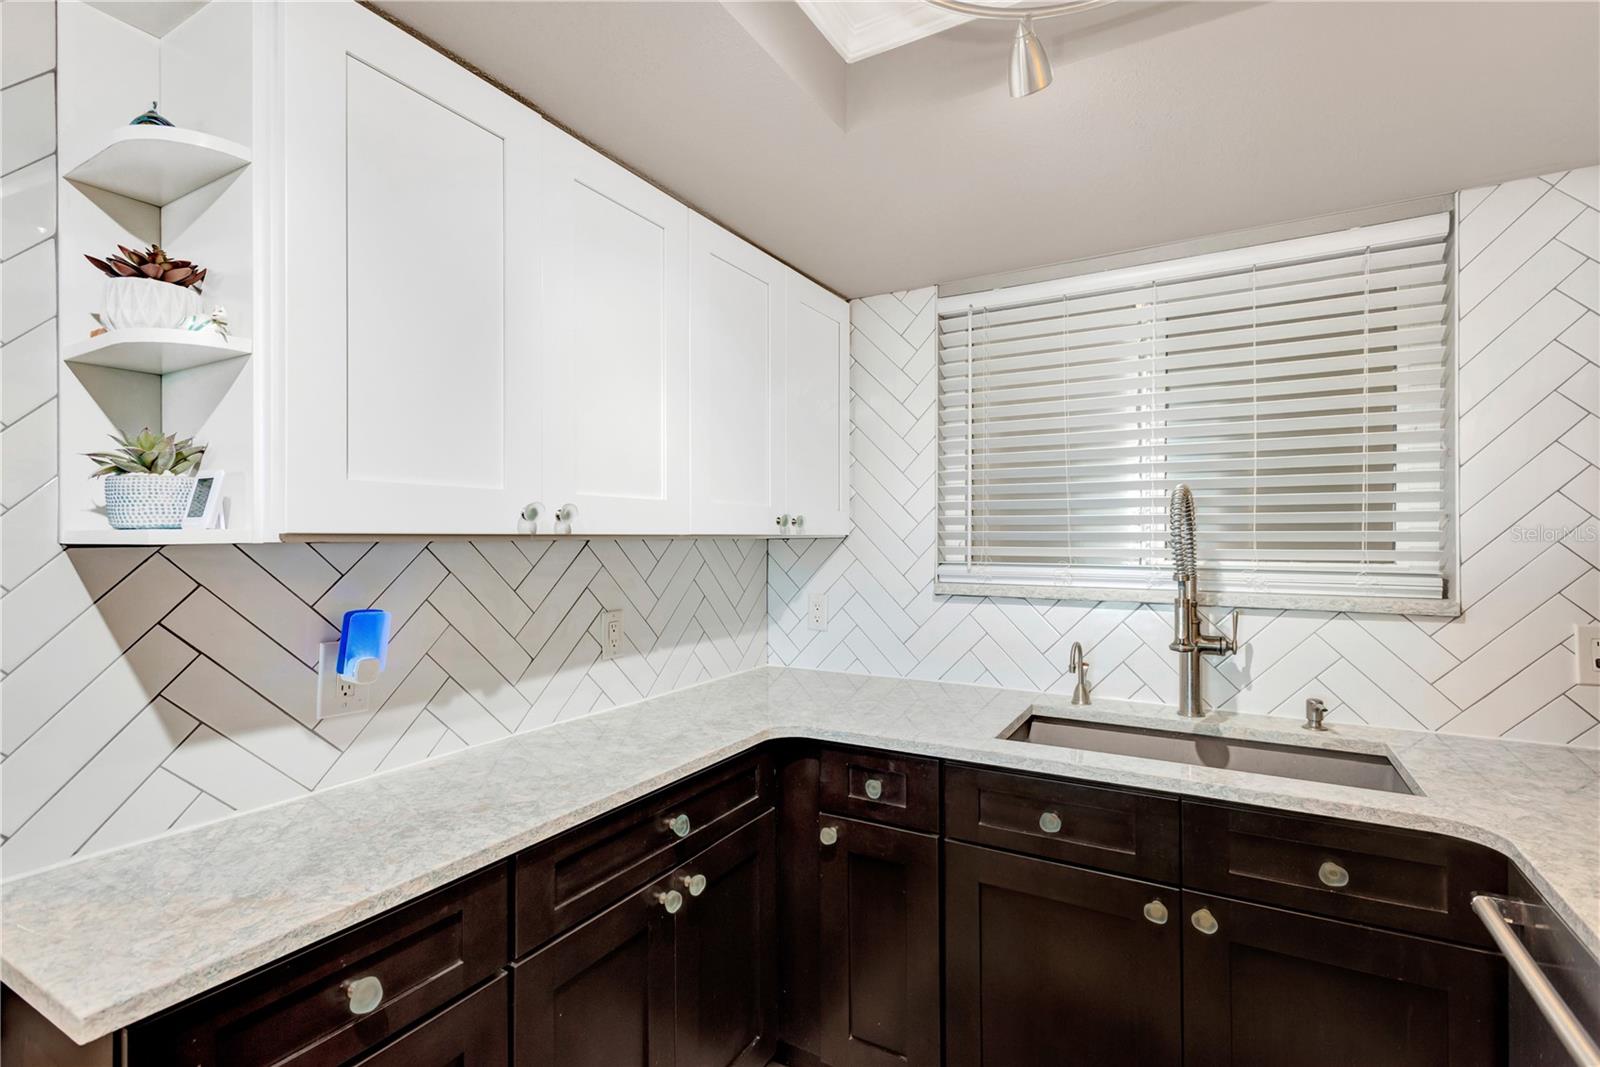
1047	964
1269	987
469	1033
600	995
879	946
727	972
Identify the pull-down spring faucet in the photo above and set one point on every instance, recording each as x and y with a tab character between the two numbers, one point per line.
1189	638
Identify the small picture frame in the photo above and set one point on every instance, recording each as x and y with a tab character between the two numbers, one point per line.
205	502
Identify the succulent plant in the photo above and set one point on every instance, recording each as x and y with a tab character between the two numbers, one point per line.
152	263
149	453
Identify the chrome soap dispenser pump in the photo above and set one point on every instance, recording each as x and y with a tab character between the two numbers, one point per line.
1189	638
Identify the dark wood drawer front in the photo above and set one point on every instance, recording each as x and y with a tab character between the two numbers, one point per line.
1093	826
576	876
299	1011
894	790
1415	882
474	1032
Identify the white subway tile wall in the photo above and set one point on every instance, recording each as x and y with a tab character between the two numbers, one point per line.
1528	351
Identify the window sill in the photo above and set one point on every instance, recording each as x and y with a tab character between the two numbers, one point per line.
1377	605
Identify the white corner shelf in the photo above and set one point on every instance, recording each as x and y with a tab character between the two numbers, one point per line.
155	351
159	164
105	535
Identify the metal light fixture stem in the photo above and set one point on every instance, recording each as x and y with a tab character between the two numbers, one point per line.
1030	66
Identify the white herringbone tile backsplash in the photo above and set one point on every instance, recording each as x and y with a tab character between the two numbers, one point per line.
1528	348
146	691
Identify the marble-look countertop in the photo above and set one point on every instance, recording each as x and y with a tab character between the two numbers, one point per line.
98	943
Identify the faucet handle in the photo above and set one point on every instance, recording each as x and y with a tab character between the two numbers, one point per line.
1233	636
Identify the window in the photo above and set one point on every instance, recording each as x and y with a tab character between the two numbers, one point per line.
1302	389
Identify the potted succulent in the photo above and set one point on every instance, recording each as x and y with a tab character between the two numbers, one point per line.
149	479
149	288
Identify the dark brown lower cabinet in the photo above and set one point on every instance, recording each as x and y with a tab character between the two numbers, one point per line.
639	986
469	1033
1047	964
1269	987
602	994
727	960
879	946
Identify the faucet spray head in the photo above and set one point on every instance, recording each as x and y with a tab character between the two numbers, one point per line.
1180	532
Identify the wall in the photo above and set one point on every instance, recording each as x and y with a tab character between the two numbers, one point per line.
144	691
1528	347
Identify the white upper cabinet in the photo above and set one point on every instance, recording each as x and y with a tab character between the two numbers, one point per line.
736	339
616	406
817	427
409	286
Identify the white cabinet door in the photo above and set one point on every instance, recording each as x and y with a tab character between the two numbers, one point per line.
409	283
736	332
617	407
817	428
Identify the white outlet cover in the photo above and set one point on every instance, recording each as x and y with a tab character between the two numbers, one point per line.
1588	641
817	612
335	696
611	635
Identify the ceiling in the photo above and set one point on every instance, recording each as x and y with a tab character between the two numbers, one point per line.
1167	121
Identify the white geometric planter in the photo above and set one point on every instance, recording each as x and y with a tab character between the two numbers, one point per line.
147	501
130	303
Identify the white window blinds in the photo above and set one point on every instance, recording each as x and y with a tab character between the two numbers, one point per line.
1301	389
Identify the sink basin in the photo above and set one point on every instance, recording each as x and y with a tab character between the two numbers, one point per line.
1362	770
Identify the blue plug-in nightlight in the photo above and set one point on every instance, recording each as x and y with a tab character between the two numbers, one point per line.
363	645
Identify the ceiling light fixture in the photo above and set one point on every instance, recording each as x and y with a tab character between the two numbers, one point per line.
1030	66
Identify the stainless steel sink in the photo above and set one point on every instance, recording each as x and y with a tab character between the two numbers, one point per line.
1359	769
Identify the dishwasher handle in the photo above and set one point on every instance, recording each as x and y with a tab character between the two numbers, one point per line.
1568	1030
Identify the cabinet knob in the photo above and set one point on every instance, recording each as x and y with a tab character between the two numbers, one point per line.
1156	912
1204	921
829	835
694	883
531	512
797	521
783	521
874	789
365	994
671	901
1333	875
679	825
1050	822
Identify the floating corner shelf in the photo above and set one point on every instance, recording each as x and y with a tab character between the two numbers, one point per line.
106	536
154	351
159	164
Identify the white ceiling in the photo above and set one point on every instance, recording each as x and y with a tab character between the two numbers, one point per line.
1167	121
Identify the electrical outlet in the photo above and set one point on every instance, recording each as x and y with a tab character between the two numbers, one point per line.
335	696
611	643
817	612
1588	654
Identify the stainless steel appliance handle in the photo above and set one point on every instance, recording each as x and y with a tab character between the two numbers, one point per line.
1555	1011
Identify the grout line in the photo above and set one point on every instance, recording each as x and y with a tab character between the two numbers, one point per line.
132	792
